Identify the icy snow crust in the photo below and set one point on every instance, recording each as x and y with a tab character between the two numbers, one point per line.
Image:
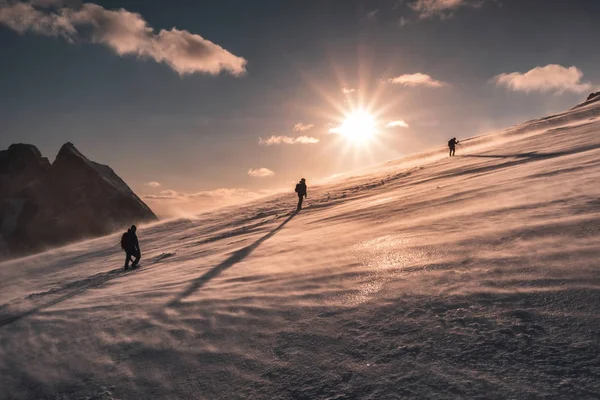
428	277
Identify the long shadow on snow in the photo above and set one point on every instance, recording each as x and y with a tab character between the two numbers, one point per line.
235	258
96	281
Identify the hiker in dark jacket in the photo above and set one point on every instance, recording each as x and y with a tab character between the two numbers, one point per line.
452	145
301	190
129	243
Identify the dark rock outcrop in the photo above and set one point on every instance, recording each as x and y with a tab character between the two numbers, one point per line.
593	96
44	205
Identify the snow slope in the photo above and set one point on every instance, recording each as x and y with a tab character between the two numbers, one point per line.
428	277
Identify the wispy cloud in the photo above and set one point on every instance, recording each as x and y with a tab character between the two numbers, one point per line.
171	203
551	78
152	184
372	14
348	90
260	173
396	124
23	17
126	33
441	8
300	127
336	129
167	195
275	140
217	193
418	79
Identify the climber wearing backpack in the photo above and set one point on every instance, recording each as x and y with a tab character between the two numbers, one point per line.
131	246
452	145
301	190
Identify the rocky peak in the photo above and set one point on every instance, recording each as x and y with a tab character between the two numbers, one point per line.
69	153
69	158
71	164
20	165
22	157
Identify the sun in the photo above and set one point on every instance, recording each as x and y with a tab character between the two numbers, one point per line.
358	127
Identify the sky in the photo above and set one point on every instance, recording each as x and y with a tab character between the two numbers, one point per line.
202	104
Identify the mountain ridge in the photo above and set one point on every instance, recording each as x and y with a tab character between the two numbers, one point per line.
45	204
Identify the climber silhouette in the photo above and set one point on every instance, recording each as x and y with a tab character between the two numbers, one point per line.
301	190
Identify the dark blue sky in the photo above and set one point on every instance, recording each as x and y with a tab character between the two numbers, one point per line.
200	132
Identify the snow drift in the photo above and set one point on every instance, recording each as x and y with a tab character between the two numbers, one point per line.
430	277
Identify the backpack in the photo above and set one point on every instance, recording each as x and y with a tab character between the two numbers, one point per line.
450	142
124	240
297	190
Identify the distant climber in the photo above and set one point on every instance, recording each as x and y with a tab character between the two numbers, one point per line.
452	145
301	190
129	243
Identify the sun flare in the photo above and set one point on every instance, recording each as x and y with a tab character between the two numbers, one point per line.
358	127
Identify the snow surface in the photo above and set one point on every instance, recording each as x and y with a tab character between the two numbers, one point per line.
428	277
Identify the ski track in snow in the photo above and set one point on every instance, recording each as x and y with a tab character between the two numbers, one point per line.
427	277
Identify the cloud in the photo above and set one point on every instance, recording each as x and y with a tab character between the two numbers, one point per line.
348	90
152	184
126	33
441	8
170	203
166	195
275	140
396	124
23	17
372	14
551	78
260	173
418	79
336	129
403	21
217	193
300	127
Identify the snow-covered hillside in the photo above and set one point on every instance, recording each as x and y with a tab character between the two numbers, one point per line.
431	277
